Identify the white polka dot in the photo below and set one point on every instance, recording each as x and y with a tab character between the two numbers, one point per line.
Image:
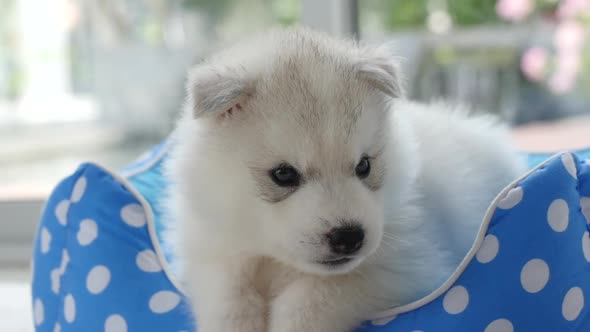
164	301
57	328
45	240
98	279
115	323
61	211
133	215
558	215
488	250
586	245
65	260
585	205
79	189
534	275
569	164
38	312
383	321
147	261
69	308
500	325
573	303
55	276
513	197
456	300
88	232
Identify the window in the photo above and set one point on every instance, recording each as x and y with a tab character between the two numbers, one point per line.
103	80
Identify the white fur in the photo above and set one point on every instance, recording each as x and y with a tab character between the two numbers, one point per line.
319	104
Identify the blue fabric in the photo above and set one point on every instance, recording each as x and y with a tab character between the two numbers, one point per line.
493	293
535	159
96	267
106	274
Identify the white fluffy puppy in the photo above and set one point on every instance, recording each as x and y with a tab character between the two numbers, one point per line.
310	195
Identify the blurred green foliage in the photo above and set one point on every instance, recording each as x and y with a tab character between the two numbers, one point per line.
214	8
472	12
397	14
284	11
13	80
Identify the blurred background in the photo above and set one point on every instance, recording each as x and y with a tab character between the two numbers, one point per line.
104	80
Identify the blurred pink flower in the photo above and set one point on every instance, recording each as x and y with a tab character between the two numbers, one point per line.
567	67
569	34
566	72
533	63
572	8
561	83
71	13
568	62
514	10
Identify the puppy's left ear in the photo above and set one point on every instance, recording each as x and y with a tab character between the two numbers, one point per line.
379	68
214	90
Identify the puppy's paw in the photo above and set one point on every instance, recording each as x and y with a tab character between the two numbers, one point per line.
225	299
245	314
310	306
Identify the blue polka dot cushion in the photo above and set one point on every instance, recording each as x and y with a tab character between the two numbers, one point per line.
100	263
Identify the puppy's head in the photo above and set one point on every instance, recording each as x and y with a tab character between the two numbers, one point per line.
288	142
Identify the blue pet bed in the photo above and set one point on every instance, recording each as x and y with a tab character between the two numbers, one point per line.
99	263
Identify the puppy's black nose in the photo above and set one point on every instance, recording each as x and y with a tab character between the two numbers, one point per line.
346	240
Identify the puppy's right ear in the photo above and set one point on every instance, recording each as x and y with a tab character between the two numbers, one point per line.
379	67
215	90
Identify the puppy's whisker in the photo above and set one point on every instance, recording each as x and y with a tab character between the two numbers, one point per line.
324	222
402	221
360	274
388	244
396	239
313	243
391	235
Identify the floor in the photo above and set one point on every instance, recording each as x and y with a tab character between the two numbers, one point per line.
568	134
15	302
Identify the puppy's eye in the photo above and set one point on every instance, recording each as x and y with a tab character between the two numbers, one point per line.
285	175
363	168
